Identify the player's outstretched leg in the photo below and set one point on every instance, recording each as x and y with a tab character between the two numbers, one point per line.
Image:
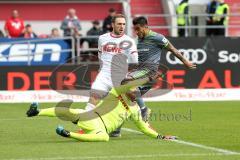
33	110
95	136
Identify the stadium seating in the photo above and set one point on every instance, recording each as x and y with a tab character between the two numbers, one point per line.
54	13
234	20
141	7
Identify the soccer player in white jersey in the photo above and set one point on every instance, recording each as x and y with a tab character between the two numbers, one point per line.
115	48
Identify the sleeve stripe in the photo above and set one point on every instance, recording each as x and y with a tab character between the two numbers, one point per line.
166	44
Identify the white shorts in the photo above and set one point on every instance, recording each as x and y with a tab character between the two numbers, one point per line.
102	83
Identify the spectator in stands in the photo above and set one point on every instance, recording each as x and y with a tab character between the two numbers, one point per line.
28	32
211	9
54	33
1	34
14	26
71	24
221	17
107	27
183	18
94	31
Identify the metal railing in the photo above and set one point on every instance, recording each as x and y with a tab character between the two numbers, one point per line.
76	43
80	49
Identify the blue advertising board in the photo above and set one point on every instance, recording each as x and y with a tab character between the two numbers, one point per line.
34	51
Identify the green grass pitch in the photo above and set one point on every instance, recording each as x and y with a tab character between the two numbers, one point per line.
214	124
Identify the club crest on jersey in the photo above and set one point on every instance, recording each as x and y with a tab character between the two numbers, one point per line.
16	25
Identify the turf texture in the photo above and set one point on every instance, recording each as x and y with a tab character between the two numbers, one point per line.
213	124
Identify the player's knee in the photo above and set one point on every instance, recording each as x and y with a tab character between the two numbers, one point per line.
93	100
126	80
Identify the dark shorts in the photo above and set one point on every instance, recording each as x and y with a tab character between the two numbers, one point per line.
138	74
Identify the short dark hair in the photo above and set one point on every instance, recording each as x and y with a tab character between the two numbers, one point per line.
111	10
28	25
96	22
117	16
54	29
142	21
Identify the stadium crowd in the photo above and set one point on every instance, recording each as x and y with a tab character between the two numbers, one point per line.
71	26
217	11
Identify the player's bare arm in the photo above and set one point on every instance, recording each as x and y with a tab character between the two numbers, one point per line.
178	54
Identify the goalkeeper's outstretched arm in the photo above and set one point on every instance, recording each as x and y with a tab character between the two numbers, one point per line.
147	129
144	126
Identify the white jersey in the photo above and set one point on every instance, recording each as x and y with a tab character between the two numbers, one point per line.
110	45
112	51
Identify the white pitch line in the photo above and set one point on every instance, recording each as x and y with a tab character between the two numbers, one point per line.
223	151
124	156
132	130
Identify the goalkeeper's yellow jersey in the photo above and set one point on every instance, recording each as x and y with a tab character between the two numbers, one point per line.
124	110
116	108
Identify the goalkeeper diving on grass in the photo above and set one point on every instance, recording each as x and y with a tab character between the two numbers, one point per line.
118	106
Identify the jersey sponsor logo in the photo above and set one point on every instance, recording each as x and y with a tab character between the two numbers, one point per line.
111	48
117	48
197	56
144	50
226	57
25	52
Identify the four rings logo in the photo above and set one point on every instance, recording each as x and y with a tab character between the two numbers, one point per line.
197	56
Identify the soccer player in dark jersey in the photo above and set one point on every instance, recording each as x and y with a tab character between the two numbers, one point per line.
150	46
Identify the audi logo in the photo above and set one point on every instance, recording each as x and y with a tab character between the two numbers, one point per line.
197	56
